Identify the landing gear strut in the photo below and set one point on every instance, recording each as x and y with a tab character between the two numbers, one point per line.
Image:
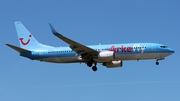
94	68
89	64
157	63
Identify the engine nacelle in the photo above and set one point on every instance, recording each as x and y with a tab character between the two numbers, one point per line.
106	56
113	64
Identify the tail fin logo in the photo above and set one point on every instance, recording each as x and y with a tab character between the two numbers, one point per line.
25	43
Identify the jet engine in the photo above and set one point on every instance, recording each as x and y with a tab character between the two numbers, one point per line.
113	64
106	56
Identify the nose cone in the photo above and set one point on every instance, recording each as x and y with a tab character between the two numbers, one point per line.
171	51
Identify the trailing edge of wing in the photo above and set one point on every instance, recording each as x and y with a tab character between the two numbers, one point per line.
17	48
75	46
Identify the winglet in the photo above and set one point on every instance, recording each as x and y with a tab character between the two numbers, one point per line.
53	30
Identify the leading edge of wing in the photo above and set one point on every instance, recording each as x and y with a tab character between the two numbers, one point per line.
75	46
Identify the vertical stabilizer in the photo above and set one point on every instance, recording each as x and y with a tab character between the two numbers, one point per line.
26	39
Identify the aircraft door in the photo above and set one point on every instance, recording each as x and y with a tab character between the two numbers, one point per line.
40	53
153	48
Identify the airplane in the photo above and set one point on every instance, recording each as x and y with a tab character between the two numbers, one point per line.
109	55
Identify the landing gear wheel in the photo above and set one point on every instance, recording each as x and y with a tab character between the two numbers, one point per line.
89	64
157	63
94	68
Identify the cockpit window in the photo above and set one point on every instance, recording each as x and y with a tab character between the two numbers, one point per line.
163	46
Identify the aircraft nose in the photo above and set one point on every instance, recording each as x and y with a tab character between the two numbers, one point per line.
171	51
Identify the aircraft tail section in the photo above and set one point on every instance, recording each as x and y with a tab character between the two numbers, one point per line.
26	39
18	49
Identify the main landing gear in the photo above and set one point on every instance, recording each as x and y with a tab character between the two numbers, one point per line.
89	64
94	68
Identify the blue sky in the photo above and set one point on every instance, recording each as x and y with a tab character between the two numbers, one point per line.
90	22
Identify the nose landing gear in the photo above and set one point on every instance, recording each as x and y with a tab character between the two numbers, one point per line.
157	63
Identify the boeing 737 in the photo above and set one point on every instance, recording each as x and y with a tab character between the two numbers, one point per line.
109	55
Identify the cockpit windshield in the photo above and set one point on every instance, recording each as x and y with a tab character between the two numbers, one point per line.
163	46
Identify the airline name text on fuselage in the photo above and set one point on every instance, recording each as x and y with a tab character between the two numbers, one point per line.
134	48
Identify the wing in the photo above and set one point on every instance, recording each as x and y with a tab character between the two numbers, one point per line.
84	51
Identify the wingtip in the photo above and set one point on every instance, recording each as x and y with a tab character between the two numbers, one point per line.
7	44
52	29
17	22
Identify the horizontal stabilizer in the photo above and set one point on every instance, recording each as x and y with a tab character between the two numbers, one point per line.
17	48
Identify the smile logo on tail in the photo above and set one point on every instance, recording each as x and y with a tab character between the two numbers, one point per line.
25	43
